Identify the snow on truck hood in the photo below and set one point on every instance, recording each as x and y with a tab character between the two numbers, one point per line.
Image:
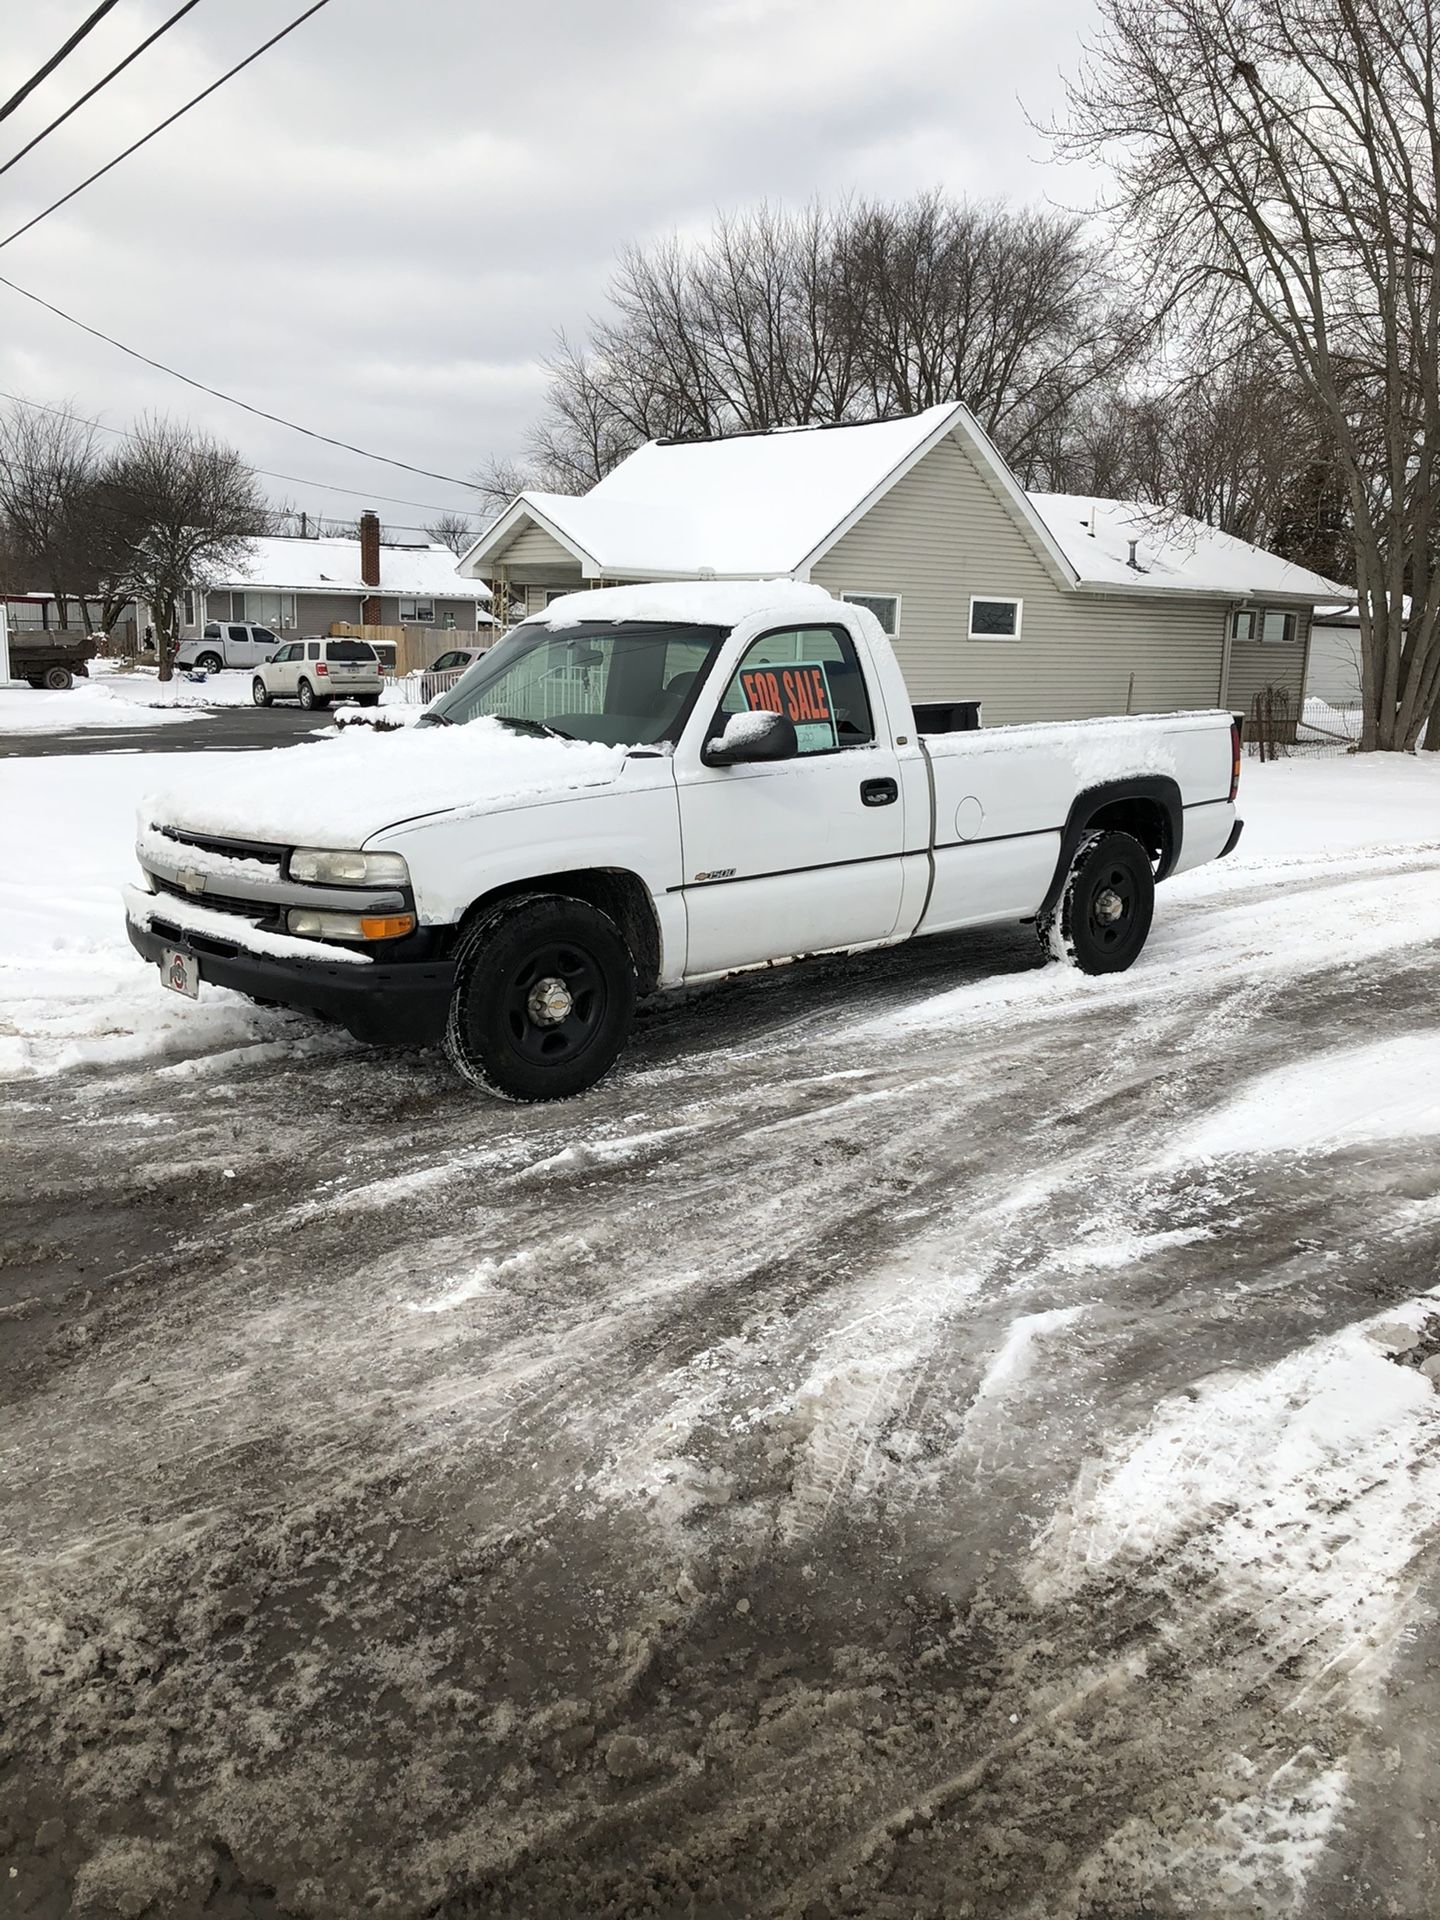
338	791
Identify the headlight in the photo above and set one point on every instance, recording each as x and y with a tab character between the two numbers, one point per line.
348	869
348	926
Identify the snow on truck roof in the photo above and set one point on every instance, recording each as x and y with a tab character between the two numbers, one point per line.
702	603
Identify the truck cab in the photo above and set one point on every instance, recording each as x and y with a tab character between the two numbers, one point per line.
227	643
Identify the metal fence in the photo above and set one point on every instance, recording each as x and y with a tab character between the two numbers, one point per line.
562	690
1275	731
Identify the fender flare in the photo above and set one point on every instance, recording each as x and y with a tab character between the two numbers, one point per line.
1158	787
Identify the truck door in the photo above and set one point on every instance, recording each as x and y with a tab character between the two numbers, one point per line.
262	644
792	856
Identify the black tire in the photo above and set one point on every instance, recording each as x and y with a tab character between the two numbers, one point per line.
506	955
309	699
210	663
367	699
259	692
57	679
1106	906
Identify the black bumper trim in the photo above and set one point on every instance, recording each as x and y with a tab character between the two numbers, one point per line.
401	1005
1234	840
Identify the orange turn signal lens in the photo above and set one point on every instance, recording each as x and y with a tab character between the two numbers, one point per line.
385	926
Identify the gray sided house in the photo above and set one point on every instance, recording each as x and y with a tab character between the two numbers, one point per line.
1042	606
308	586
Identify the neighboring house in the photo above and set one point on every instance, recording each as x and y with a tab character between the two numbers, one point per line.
1334	674
308	586
1043	606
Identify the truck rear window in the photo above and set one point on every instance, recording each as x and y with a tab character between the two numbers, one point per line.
350	650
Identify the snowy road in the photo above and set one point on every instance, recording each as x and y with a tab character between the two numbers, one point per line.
935	1435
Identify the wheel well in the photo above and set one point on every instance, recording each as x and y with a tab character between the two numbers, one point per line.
623	895
1145	820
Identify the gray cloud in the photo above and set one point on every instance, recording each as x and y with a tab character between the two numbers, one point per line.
378	229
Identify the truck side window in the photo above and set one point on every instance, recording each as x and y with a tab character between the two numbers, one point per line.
815	678
239	633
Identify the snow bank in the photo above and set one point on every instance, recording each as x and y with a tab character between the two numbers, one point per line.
73	992
80	707
338	790
1354	1097
143	686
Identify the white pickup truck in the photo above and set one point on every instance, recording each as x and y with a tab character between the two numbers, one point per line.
645	786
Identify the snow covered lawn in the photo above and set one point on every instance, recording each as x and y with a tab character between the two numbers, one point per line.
73	992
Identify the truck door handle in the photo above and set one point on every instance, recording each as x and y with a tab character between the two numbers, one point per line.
879	793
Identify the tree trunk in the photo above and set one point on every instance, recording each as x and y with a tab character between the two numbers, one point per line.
166	638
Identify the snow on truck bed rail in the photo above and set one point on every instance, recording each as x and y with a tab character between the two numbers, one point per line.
336	791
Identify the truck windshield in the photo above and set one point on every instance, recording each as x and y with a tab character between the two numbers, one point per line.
617	682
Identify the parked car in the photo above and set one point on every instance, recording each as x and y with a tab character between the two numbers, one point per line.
227	643
315	672
49	660
455	661
687	781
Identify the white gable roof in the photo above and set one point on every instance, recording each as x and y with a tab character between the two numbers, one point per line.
769	504
333	566
746	505
1173	552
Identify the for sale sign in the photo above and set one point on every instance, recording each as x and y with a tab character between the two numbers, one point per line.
800	690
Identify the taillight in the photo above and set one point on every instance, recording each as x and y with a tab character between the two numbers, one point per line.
320	667
1234	756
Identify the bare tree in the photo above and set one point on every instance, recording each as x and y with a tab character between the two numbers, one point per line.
856	312
176	509
456	531
49	462
1277	168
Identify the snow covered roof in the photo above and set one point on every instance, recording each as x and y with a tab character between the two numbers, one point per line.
748	504
333	566
1172	552
757	504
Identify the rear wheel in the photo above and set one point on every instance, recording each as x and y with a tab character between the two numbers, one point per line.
1103	918
210	663
309	699
367	699
544	998
58	678
259	692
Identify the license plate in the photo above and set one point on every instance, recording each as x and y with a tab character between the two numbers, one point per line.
180	972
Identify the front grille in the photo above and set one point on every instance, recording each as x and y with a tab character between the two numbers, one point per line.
253	910
265	850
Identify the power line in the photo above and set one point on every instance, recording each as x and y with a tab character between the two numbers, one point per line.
292	479
145	138
90	93
50	65
230	399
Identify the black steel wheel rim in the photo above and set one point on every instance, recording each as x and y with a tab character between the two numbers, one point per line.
546	1040
1113	901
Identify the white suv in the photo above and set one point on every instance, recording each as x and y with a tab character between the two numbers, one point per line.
315	672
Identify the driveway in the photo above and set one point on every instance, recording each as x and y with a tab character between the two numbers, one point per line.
228	729
931	1436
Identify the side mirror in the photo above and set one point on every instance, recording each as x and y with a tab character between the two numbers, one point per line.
751	736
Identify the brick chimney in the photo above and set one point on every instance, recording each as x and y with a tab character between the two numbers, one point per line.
370	566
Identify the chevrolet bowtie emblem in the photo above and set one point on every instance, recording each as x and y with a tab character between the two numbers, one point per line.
192	880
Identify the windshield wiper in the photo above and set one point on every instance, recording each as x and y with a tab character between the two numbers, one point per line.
531	726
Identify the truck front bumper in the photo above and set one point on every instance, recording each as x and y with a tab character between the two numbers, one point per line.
404	1004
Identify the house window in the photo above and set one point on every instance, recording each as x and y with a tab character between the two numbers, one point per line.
189	606
884	606
1270	624
552	594
994	619
262	608
417	613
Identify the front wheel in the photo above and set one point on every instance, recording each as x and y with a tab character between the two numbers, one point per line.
57	679
544	998
1106	906
259	692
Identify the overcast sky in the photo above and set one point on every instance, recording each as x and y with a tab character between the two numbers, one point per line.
378	228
